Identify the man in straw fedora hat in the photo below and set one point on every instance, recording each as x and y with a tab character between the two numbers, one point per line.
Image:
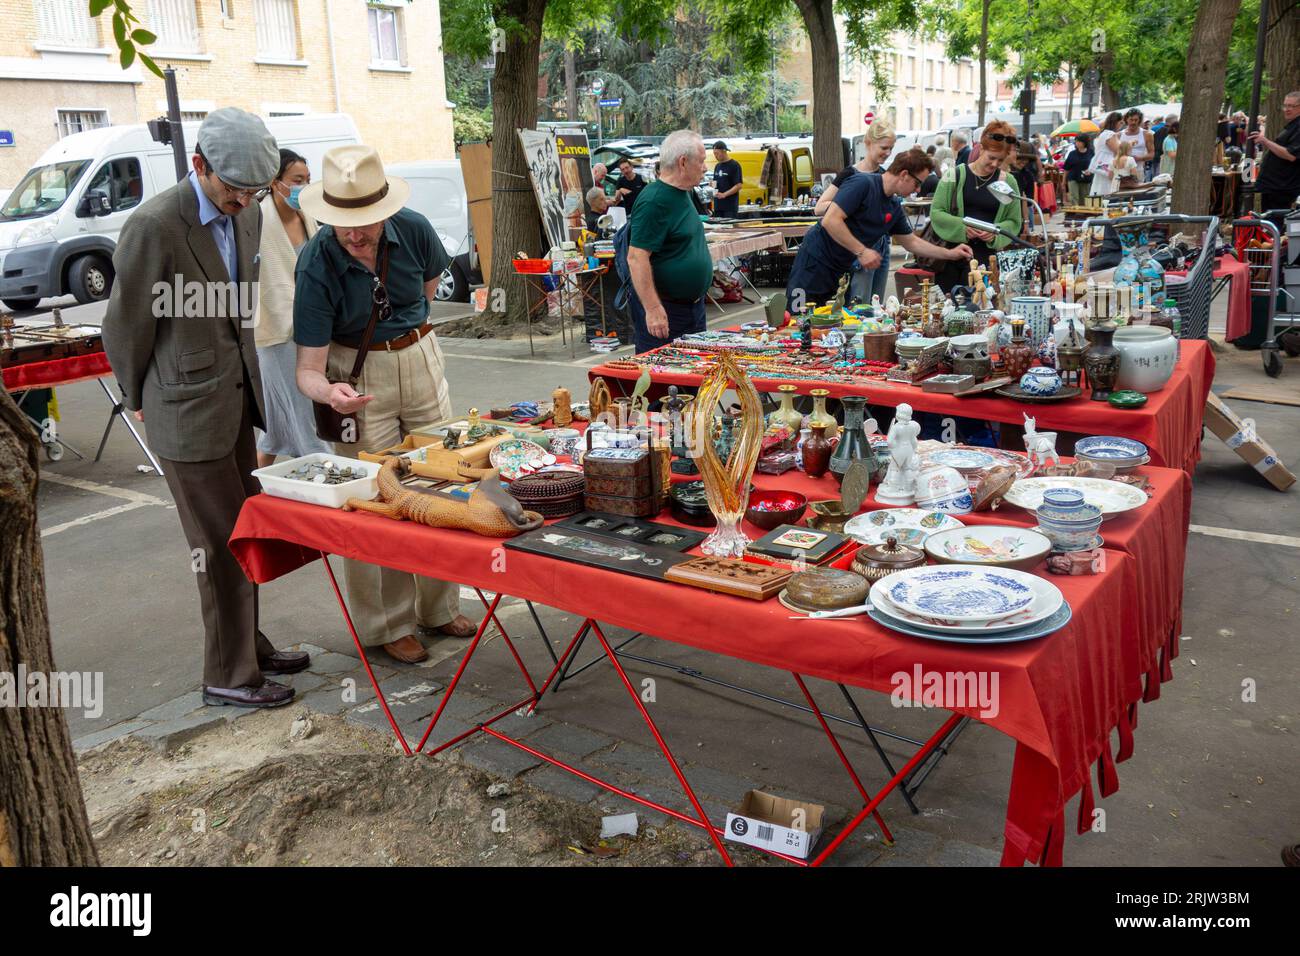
372	254
194	380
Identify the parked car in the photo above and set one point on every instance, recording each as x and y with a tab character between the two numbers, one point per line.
59	226
438	193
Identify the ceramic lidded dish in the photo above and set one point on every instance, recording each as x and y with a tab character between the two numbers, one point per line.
825	589
1001	546
1127	398
874	561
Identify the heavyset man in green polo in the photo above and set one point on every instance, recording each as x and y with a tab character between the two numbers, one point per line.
402	385
667	255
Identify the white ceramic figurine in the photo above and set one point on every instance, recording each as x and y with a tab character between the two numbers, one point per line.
899	485
1040	445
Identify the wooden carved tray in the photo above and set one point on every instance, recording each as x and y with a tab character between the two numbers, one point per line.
727	576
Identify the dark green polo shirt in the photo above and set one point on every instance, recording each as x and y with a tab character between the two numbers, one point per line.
667	225
332	297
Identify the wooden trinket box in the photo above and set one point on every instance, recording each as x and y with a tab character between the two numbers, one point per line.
745	579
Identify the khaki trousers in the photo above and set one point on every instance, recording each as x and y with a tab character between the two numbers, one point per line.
410	390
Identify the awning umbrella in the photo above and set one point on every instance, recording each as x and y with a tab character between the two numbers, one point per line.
1075	127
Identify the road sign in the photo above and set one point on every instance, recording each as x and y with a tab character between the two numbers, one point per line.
868	118
6	137
617	101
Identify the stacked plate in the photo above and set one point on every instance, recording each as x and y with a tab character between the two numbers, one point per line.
1124	453
968	605
1112	497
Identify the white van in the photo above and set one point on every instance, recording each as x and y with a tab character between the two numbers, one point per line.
438	193
59	226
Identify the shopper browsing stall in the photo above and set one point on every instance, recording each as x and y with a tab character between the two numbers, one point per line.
963	192
879	143
727	180
667	254
1279	175
1104	147
1077	175
375	258
866	208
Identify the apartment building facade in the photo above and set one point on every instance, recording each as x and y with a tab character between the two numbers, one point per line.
378	60
928	88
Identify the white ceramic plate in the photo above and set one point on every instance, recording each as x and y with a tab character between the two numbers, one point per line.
957	593
963	459
1112	497
910	525
1047	601
1110	448
991	545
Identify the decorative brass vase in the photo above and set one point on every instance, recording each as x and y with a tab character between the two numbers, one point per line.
1101	361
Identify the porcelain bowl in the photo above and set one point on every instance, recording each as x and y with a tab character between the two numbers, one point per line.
1040	380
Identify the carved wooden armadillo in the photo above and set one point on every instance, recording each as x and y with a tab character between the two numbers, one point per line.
489	511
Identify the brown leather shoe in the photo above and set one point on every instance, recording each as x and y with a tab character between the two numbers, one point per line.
459	626
285	662
407	649
269	694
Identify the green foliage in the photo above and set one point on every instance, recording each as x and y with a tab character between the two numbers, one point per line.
471	125
128	39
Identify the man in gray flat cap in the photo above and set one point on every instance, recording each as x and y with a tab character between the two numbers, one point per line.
179	335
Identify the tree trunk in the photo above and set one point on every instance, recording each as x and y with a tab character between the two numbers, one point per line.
824	49
1069	92
984	61
42	815
515	219
1281	60
1207	61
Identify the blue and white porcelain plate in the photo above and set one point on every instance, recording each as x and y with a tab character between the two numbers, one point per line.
963	459
1028	633
959	593
1109	448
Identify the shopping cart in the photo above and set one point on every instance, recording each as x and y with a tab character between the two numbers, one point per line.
1190	294
1264	262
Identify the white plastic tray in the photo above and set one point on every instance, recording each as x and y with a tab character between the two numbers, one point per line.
275	483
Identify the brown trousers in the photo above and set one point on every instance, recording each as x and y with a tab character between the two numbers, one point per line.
208	497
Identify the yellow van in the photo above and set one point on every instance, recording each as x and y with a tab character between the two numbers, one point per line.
799	172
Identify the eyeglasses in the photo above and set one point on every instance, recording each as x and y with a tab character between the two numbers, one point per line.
1008	138
380	297
915	178
255	194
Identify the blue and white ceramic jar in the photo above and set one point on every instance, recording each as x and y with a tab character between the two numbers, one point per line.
1040	380
1068	521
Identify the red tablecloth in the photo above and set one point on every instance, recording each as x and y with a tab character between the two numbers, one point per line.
60	371
1169	424
1059	698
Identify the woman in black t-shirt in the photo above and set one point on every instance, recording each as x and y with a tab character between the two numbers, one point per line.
879	143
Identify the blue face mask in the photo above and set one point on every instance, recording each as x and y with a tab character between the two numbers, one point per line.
292	198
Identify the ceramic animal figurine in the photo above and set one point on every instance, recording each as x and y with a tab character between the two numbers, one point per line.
1040	445
899	485
489	511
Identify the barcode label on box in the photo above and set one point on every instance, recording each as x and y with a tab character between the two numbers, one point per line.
765	833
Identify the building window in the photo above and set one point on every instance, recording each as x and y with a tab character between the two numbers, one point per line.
277	36
909	117
78	121
65	23
387	44
193	116
929	119
177	25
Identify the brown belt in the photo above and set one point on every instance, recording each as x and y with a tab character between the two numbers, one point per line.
397	344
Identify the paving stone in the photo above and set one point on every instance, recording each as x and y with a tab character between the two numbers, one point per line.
303	682
705	780
568	739
448	727
637	760
167	735
109	734
497	758
521	726
960	853
911	847
176	707
328	699
562	784
328	662
466	706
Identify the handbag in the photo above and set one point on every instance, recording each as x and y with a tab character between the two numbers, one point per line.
928	263
332	425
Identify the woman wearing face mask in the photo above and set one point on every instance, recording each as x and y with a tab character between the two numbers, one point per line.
290	425
879	143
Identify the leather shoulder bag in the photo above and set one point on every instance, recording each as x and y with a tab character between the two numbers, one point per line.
331	425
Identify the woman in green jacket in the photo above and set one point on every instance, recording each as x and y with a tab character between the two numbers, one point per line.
963	191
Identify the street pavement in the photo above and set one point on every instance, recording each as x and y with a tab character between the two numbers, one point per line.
1210	781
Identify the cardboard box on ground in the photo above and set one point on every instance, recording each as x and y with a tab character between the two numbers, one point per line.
1241	437
776	823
